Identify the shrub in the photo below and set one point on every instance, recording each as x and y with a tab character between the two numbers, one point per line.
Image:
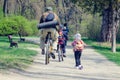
17	24
8	26
33	26
23	25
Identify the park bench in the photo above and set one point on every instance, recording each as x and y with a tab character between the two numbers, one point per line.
12	43
22	39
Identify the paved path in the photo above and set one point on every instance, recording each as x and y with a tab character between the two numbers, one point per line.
96	67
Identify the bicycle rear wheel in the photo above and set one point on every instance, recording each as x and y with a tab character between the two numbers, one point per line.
48	42
60	54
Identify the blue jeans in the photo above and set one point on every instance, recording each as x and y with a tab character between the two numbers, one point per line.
77	55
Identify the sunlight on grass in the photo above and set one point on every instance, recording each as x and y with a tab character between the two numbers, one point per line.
105	49
15	57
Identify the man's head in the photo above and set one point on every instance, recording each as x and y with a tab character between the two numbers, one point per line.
48	9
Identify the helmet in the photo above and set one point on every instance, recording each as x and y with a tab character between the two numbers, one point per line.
49	9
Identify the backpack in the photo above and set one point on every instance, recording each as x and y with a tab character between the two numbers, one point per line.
79	46
49	17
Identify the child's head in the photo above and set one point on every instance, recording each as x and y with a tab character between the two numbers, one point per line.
60	33
64	28
77	36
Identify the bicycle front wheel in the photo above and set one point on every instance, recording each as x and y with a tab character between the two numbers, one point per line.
47	55
60	54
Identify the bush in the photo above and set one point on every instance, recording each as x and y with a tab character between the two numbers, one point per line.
33	26
94	28
23	25
1	12
17	24
8	26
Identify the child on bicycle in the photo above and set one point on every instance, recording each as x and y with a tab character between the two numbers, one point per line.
61	42
78	46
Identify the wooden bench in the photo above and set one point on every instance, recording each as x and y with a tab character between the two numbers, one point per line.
12	43
22	39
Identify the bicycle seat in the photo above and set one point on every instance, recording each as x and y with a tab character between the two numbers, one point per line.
49	32
48	37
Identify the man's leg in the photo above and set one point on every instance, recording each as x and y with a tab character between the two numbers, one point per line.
42	45
42	40
55	41
55	38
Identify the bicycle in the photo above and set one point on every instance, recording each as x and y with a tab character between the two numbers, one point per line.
48	41
60	53
48	47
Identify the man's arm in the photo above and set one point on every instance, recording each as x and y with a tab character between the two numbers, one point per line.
41	19
58	20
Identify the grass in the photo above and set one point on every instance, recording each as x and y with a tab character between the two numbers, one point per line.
19	57
105	49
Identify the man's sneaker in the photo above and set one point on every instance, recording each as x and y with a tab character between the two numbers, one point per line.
52	55
43	52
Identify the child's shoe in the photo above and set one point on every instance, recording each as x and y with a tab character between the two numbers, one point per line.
80	67
77	67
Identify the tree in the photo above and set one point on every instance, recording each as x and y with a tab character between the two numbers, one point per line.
110	10
5	7
8	26
45	4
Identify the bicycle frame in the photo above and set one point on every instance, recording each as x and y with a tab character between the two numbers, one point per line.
60	53
48	47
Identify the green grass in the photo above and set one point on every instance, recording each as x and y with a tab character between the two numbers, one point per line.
105	49
19	57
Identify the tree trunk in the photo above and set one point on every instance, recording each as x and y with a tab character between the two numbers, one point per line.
5	8
113	44
59	11
57	3
110	24
115	28
57	8
45	4
66	7
106	28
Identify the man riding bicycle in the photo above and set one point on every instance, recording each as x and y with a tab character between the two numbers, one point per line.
49	15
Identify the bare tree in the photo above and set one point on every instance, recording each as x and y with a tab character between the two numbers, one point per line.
5	11
45	4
